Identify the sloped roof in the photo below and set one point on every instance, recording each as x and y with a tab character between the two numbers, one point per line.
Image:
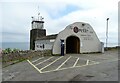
47	37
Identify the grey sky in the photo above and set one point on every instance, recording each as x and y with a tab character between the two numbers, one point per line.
16	17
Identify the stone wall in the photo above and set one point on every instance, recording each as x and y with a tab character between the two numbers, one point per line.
18	56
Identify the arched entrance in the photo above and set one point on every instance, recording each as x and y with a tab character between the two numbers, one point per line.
72	45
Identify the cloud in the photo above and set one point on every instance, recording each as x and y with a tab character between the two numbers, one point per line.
16	16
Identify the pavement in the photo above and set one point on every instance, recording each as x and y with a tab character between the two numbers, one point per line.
71	67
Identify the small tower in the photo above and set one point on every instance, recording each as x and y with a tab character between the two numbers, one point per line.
37	30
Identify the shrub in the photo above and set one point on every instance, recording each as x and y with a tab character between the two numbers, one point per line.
9	50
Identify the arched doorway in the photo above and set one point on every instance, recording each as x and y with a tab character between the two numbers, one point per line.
72	45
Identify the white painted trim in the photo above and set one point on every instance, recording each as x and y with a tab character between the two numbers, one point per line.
50	63
76	62
43	61
63	63
37	59
34	66
87	62
71	67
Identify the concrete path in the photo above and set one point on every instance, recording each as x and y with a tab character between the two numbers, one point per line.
71	67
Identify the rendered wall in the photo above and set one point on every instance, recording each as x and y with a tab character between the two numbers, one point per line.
47	44
89	41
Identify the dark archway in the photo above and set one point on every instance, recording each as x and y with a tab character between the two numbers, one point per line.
72	45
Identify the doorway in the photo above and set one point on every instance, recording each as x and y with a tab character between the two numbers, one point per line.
72	45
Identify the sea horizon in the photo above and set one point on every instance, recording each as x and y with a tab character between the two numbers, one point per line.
16	45
26	45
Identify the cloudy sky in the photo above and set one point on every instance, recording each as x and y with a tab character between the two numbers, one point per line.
15	17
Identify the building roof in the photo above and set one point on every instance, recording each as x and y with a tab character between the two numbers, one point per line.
47	37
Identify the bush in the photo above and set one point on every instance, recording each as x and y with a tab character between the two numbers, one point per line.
9	50
15	50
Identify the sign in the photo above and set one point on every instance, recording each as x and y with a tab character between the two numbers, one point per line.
75	29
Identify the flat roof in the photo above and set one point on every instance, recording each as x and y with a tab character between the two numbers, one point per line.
47	37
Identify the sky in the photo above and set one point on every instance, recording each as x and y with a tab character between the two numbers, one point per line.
15	17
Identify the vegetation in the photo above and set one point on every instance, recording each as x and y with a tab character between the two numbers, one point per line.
12	56
112	48
9	50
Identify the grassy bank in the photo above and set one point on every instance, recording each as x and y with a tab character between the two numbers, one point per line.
9	58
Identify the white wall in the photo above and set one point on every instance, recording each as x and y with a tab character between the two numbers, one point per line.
47	44
89	39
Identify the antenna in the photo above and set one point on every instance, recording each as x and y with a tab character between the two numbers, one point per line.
41	18
38	13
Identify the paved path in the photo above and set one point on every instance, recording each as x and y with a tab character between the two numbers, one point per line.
71	67
56	63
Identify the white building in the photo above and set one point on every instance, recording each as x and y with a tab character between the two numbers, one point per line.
78	37
45	43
